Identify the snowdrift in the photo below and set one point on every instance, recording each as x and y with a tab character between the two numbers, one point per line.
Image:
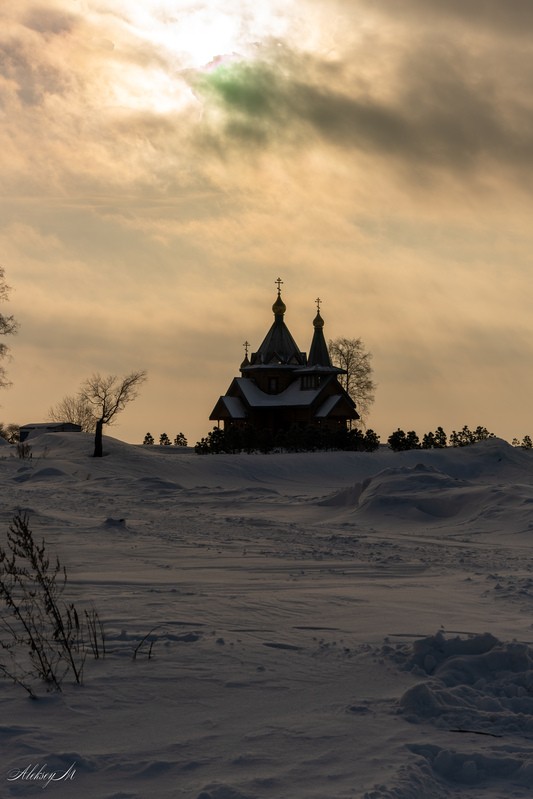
475	687
468	489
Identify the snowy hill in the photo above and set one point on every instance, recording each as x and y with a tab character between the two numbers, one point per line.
324	625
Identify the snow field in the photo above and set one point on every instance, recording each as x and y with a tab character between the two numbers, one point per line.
327	625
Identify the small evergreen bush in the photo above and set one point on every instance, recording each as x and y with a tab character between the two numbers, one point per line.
296	438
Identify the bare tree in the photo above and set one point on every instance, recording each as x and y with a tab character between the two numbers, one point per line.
108	396
350	354
76	410
11	433
8	326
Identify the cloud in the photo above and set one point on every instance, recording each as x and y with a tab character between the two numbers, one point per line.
440	105
515	18
86	107
447	113
436	106
50	21
26	68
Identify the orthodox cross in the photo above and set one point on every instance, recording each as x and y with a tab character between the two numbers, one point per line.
318	303
279	281
246	345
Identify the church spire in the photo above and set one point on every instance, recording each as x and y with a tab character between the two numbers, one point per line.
278	347
318	354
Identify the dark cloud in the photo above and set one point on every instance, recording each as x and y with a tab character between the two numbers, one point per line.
515	17
26	67
446	107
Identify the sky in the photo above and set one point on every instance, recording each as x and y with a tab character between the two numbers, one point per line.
162	162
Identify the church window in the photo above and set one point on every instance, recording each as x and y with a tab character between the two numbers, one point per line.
309	382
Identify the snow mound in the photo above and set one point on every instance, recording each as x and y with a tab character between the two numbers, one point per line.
348	497
477	683
46	473
411	492
471	768
439	769
478	686
424	494
157	484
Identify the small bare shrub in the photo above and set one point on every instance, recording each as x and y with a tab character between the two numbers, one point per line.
145	645
42	634
24	451
95	631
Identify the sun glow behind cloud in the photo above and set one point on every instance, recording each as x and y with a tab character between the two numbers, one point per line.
178	38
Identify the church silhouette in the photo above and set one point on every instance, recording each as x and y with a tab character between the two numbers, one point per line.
282	388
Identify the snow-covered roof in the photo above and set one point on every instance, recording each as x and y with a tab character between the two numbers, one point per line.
48	427
234	407
327	406
292	396
319	370
43	427
40	426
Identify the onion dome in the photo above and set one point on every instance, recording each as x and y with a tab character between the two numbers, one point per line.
279	306
318	321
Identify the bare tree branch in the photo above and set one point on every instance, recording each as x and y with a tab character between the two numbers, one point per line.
350	354
108	396
76	410
8	326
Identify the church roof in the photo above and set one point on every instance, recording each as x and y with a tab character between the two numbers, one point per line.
319	361
229	407
318	354
292	396
330	403
244	394
278	347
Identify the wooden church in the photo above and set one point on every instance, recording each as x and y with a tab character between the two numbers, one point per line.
281	387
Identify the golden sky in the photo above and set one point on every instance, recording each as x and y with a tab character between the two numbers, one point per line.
163	161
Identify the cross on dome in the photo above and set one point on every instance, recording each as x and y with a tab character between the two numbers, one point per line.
279	282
